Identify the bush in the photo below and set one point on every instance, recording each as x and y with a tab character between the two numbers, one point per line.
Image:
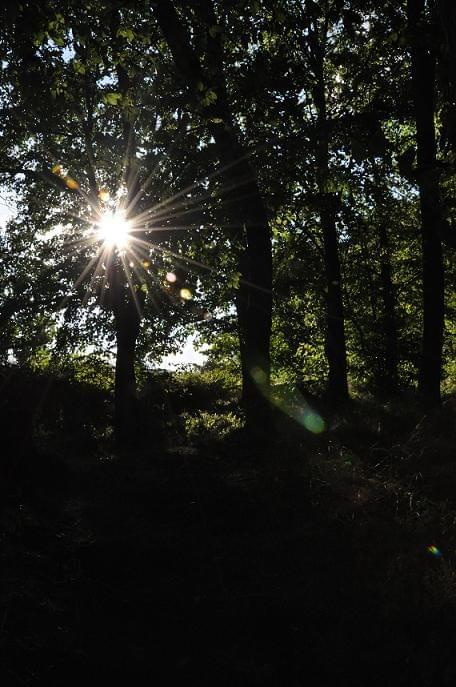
200	389
207	427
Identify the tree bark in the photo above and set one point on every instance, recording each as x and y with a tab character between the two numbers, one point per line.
390	380
423	79
126	303
127	311
335	344
254	296
126	424
446	13
244	204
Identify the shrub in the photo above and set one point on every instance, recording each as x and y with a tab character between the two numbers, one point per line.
206	427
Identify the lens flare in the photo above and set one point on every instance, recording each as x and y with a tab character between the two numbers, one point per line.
103	195
114	229
434	551
312	421
290	401
258	375
186	294
71	183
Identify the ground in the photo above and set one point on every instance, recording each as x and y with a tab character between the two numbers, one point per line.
304	561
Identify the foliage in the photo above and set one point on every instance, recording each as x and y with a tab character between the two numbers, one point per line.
75	78
205	427
267	553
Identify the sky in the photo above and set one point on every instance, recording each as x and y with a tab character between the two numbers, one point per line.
6	210
188	355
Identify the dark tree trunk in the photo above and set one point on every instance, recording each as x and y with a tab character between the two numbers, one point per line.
127	319
433	305
446	15
254	297
423	78
390	381
244	205
126	423
126	302
335	345
247	214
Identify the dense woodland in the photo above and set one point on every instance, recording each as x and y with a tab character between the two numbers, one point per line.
273	180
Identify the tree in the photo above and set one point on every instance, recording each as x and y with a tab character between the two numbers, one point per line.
423	78
335	346
245	207
84	60
214	126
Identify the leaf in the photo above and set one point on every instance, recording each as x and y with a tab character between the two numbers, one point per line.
38	38
127	33
234	280
112	98
209	98
78	67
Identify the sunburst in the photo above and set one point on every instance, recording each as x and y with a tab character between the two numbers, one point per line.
123	237
113	228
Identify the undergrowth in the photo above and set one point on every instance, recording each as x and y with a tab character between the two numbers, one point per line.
282	561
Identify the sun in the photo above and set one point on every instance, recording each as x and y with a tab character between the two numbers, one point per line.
114	229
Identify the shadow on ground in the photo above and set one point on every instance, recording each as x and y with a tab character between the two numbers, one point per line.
207	566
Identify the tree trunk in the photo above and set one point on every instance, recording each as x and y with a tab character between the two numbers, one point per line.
390	381
248	216
126	424
126	303
423	79
245	206
335	345
446	14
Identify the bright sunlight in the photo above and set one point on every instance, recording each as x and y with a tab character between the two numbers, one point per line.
114	229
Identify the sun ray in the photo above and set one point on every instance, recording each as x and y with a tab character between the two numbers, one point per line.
176	212
104	255
130	283
196	263
127	240
153	278
240	181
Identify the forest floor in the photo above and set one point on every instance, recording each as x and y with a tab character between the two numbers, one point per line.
304	562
